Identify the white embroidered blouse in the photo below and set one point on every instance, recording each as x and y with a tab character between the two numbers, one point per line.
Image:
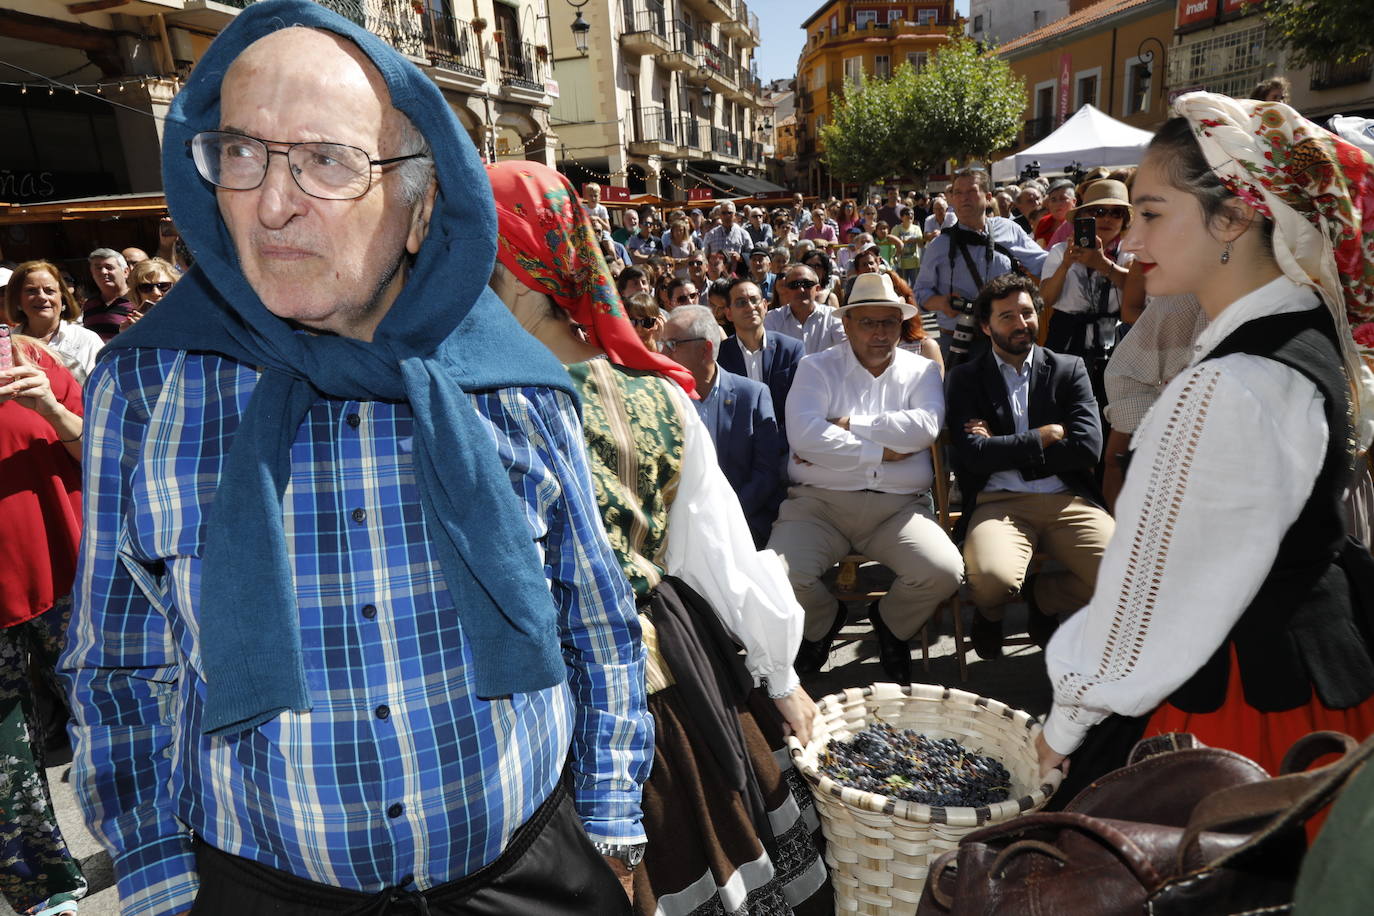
1223	464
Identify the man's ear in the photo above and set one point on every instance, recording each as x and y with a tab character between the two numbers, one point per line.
419	219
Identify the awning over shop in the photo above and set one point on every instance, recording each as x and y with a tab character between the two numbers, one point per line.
746	186
118	206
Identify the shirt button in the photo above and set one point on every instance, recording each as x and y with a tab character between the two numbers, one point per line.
353	420
359	515
396	810
383	711
369	611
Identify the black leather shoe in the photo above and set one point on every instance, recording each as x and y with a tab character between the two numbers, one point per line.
811	655
893	654
986	636
1039	626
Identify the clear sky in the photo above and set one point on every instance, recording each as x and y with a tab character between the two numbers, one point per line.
780	24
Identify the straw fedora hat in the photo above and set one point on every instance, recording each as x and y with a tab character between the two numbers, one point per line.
875	289
1105	192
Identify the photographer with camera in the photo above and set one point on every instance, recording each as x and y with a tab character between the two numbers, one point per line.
1085	279
961	259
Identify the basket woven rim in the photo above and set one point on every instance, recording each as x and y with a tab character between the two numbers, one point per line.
917	811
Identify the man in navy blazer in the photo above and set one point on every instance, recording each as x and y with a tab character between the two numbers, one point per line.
738	414
1026	436
768	358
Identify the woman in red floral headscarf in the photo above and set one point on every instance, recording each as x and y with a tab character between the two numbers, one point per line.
1230	603
725	833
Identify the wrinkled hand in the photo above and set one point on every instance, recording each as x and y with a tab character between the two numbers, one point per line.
977	427
1050	434
1092	258
1049	758
841	422
942	305
798	459
29	387
890	455
799	711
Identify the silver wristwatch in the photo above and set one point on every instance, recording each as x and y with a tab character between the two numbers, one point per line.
630	855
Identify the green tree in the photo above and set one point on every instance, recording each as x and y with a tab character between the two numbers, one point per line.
1320	30
963	105
861	138
967	102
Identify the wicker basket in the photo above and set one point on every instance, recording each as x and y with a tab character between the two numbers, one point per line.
880	849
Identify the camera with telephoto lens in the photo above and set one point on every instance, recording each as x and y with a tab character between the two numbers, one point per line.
965	328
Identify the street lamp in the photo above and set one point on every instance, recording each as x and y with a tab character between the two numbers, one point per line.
580	27
1146	56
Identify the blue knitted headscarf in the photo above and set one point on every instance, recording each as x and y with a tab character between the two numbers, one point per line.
446	335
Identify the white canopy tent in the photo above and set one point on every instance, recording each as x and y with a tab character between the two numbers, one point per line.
1090	138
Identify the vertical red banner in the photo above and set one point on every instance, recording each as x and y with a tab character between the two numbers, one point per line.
1065	84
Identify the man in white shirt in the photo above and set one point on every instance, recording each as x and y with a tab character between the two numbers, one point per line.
941	217
861	420
801	316
1025	434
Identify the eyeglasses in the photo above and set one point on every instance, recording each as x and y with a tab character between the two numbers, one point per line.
879	324
1100	212
801	284
644	323
744	302
329	171
695	262
161	286
674	344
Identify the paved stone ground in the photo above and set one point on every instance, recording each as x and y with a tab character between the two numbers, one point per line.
1018	679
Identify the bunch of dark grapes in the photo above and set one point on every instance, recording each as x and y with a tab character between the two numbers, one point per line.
906	765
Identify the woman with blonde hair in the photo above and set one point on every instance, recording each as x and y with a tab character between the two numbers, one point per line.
39	305
149	281
680	246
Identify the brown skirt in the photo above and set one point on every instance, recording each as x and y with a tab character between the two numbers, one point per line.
705	857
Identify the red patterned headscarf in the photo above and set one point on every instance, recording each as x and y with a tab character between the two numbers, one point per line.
547	241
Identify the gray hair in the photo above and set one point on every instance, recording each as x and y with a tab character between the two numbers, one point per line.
415	175
697	321
102	254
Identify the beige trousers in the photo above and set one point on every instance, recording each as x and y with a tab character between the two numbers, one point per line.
817	527
1006	529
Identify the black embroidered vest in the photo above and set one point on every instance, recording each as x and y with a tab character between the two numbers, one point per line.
1309	627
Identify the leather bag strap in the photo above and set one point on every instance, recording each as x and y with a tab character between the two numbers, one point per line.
1288	800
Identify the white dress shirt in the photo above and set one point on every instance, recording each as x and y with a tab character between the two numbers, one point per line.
710	548
753	359
950	219
1224	462
78	348
821	330
1018	394
903	409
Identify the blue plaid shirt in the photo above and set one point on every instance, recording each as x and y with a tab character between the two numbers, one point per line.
399	770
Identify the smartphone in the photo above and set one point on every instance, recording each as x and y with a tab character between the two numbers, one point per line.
6	348
1085	231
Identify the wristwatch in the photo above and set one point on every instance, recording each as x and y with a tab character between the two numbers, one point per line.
630	855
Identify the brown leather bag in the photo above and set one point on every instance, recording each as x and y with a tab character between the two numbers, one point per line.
1181	830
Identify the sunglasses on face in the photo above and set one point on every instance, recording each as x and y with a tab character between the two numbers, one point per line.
644	323
802	284
161	286
1100	212
697	262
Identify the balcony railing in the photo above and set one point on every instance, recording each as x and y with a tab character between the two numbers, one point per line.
719	61
1328	75
689	132
396	24
646	16
685	40
519	66
654	124
724	142
452	44
1038	129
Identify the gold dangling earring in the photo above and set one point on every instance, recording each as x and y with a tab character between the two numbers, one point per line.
1226	254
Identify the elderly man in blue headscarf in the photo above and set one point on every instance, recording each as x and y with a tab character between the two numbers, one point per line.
347	631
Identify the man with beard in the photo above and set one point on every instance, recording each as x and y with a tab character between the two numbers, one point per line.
1024	428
